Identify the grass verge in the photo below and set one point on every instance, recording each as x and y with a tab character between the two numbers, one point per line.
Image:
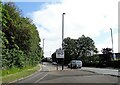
17	75
0	77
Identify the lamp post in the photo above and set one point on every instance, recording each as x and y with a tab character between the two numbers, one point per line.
112	39
43	52
43	45
62	37
62	27
112	44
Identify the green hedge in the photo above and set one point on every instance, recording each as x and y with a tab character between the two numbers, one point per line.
113	64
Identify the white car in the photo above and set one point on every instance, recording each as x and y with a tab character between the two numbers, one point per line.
54	63
75	64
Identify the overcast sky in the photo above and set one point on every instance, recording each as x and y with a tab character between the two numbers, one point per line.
93	18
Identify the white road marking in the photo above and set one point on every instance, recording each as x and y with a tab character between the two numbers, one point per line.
42	77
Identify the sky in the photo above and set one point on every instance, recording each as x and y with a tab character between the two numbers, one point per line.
93	18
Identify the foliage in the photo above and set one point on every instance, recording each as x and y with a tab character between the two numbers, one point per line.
11	58
106	57
82	48
85	48
20	38
107	54
106	50
69	46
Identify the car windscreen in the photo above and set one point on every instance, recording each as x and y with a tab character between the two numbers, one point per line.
73	62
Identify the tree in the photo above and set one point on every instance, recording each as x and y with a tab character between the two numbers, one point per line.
85	47
69	46
79	48
106	54
20	38
10	17
106	50
54	57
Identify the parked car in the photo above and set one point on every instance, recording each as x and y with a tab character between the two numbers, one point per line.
75	64
54	63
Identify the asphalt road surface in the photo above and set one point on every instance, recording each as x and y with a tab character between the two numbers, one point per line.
49	74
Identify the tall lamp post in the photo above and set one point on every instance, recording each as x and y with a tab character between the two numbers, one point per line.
62	28
112	39
43	45
112	45
62	37
43	51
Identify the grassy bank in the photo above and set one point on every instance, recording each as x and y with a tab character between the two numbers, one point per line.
17	73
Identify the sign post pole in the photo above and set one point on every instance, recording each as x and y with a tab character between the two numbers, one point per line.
57	64
60	54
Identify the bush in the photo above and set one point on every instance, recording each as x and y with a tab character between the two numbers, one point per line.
114	64
12	58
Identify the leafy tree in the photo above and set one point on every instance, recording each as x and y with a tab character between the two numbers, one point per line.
106	54
106	50
80	48
85	47
8	23
20	38
69	46
54	57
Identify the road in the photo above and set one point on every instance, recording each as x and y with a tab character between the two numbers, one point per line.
49	74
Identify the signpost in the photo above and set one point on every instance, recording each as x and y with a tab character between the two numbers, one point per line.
59	54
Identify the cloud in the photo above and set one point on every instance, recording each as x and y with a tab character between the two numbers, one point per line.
88	17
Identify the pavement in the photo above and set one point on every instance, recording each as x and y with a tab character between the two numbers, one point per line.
106	71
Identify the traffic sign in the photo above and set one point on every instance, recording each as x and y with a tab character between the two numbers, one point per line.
60	53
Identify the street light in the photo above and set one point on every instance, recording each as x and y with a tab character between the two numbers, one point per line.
62	27
43	51
112	45
112	39
43	45
62	37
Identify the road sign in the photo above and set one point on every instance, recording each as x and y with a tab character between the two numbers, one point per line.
59	53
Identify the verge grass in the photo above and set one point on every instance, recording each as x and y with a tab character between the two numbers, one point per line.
17	73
